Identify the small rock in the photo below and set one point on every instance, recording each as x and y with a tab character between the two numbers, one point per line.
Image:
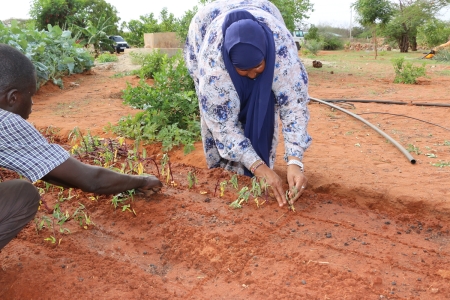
303	282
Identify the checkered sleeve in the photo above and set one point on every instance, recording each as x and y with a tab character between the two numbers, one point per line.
24	150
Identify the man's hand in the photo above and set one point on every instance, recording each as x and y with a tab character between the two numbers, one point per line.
274	181
151	185
297	182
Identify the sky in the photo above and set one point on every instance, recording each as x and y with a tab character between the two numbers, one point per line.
326	12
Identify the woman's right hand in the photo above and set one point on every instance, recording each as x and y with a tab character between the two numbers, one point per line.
274	181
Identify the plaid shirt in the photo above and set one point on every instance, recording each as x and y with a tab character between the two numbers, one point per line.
24	150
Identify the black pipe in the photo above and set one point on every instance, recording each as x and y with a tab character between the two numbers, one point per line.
394	142
388	102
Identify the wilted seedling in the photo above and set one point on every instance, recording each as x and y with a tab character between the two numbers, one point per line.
223	185
51	239
234	181
291	195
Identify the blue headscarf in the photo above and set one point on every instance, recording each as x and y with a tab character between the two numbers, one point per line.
246	43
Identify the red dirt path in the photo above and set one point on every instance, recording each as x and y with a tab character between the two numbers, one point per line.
369	226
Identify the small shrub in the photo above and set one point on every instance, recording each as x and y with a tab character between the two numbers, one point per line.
313	46
152	64
106	57
171	113
405	72
442	55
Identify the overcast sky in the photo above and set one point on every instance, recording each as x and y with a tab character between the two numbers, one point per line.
326	12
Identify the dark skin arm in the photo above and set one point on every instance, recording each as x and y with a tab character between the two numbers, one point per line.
75	174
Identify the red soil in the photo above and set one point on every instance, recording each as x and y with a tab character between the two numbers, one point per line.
370	225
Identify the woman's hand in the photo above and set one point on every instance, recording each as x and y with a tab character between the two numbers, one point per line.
274	181
297	182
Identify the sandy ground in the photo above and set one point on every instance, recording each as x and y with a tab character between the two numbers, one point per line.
370	225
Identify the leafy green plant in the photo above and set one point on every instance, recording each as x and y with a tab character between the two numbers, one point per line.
406	72
171	113
107	57
151	64
54	52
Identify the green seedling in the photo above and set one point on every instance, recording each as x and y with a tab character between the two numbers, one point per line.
83	219
413	149
192	179
256	188
243	196
42	222
441	164
234	181
117	199
62	198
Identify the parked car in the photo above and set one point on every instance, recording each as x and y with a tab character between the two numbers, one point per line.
118	43
299	38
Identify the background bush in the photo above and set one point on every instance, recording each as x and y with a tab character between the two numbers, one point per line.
53	52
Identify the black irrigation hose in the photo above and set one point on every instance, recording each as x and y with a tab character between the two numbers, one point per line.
394	142
384	113
388	102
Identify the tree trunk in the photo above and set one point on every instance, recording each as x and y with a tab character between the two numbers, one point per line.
404	43
375	43
413	43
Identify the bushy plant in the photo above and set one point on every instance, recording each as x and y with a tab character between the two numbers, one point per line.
106	57
442	55
406	72
152	64
313	46
171	113
54	52
332	42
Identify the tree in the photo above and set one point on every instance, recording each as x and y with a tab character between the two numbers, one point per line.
433	33
66	13
149	24
373	13
408	16
293	11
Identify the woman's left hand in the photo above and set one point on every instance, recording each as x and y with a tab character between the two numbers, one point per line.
297	182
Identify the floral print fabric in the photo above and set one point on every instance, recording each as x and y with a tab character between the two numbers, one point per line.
222	134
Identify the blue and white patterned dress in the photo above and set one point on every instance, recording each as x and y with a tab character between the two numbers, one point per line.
223	135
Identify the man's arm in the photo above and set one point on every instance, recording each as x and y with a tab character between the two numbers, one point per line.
75	174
